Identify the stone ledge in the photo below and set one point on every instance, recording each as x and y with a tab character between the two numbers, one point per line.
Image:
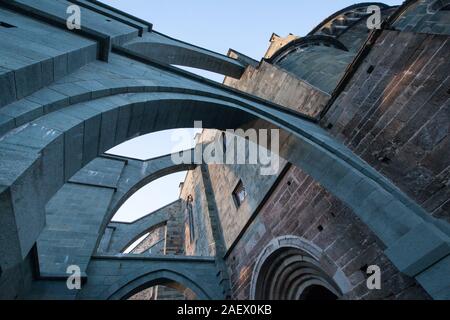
436	279
419	249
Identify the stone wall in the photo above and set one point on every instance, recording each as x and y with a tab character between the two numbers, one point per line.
203	244
274	84
223	180
301	207
395	114
174	233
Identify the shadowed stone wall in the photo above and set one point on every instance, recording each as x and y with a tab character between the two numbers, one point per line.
425	16
153	243
277	85
395	114
301	207
203	240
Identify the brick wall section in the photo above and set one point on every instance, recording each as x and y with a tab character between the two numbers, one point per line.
274	84
298	206
397	118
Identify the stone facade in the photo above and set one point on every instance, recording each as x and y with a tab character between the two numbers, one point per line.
396	117
307	210
154	242
363	177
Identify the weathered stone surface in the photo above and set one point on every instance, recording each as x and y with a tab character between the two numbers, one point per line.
330	225
60	110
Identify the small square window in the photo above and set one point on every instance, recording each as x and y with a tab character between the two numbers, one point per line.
239	194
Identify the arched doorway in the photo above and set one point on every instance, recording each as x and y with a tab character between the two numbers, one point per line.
291	268
292	274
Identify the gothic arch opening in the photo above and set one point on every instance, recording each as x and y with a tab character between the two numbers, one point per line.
293	268
165	291
145	287
171	51
292	274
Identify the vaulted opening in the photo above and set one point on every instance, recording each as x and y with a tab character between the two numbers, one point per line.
292	274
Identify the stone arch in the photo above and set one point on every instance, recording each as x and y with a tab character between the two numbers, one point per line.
160	277
125	234
288	265
131	186
41	155
124	181
120	276
165	49
391	215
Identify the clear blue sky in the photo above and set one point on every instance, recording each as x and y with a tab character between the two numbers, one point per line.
244	25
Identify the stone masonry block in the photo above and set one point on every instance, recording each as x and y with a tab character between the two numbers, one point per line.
419	249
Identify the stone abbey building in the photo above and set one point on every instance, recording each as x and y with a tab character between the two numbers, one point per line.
363	181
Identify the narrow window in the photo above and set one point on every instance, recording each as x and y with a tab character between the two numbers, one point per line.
6	25
224	142
239	194
190	213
